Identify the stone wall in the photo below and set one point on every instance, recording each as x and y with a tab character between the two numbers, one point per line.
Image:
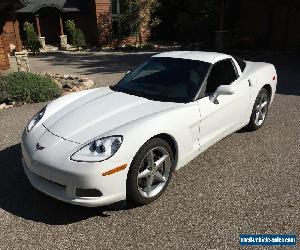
22	61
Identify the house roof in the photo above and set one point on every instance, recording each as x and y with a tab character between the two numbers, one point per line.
33	6
4	4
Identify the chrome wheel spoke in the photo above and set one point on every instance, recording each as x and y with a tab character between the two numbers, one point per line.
159	177
263	104
256	117
144	173
151	159
263	115
160	161
149	185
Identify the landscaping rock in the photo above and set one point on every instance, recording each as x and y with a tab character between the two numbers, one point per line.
2	106
7	106
88	83
76	89
71	83
67	85
82	79
58	83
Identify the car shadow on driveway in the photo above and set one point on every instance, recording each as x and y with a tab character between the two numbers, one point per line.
18	197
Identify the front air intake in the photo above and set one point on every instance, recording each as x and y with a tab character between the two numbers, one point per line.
81	192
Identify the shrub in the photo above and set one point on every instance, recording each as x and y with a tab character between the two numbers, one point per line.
32	42
77	37
104	27
30	88
3	92
70	27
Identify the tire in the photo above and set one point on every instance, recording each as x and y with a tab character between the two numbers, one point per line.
259	112
146	181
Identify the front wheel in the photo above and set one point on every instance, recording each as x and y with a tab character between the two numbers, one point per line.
150	171
259	111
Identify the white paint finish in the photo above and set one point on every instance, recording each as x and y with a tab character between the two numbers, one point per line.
101	112
210	57
87	115
60	103
217	120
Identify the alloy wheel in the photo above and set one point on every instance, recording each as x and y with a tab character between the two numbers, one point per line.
261	109
154	172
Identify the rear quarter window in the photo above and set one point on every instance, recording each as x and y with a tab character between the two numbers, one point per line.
241	63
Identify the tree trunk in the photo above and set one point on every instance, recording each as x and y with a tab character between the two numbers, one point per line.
140	38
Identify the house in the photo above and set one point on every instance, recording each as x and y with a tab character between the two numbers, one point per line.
49	17
9	31
96	18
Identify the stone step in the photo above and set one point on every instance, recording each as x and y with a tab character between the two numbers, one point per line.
49	48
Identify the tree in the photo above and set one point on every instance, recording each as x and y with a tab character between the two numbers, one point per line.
32	41
76	35
197	16
104	26
187	20
140	15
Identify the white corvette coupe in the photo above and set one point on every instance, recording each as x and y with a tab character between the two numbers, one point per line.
105	145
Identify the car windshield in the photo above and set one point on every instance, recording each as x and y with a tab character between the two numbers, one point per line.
165	79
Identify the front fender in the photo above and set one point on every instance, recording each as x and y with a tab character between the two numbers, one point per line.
181	124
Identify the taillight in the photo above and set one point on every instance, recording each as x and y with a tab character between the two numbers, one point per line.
274	78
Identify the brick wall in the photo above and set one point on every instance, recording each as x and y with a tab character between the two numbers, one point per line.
4	63
102	6
11	35
103	15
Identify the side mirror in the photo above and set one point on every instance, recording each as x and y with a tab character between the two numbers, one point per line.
221	90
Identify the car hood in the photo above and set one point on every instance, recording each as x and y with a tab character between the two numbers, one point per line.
99	112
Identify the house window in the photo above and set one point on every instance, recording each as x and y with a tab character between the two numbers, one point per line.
115	7
120	29
118	7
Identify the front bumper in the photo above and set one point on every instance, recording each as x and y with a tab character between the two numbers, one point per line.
53	173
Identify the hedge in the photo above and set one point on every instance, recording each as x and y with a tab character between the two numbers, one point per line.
28	88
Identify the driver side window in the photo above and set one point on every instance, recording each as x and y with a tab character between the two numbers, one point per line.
222	73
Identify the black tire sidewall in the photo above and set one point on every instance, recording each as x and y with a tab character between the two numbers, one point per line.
133	193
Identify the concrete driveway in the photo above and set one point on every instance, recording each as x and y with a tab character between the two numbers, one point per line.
105	68
247	183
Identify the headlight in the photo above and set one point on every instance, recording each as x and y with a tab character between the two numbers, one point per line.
37	117
98	150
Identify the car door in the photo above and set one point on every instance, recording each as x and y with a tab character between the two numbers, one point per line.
227	113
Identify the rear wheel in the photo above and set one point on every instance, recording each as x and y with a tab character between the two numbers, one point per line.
150	171
260	110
